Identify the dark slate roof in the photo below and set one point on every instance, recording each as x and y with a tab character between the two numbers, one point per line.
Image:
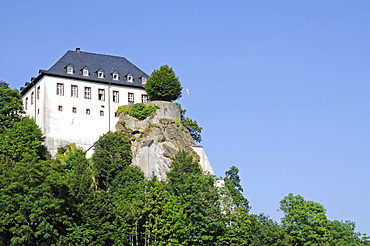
94	63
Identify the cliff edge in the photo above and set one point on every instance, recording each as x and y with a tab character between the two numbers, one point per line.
156	139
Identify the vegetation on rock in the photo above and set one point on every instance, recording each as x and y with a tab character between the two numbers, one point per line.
139	111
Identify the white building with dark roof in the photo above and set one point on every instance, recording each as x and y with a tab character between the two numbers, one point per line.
76	99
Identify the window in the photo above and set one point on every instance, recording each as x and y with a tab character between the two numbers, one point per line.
115	75
87	111
32	96
101	113
85	72
88	92
144	98
38	92
100	74
130	78
115	96
69	69
73	90
143	80
74	110
60	89
116	115
101	94
26	103
60	108
38	111
130	98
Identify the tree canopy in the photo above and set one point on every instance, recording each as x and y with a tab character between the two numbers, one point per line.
163	84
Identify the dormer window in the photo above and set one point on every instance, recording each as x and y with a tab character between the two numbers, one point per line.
130	77
85	72
143	80
115	75
69	69
100	74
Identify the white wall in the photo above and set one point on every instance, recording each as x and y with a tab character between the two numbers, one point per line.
64	127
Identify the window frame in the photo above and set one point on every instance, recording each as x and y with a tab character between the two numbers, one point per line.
72	94
129	97
38	92
89	90
99	98
60	108
61	89
144	96
74	110
88	111
115	98
101	112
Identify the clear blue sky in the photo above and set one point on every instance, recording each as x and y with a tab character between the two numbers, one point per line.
281	88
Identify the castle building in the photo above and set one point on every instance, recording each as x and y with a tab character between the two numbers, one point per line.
76	99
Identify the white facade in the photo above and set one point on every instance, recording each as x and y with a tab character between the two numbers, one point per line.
71	110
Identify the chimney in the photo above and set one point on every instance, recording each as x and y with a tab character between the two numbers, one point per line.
78	50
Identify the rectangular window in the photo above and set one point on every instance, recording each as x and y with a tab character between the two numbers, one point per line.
88	92
32	96
130	98
101	94
74	110
144	98
73	90
87	111
115	96
116	115
60	108
101	113
26	103
60	89
38	92
38	111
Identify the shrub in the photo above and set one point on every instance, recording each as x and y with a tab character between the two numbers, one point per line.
139	111
163	85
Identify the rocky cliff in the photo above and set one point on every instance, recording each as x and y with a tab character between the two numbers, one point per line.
156	139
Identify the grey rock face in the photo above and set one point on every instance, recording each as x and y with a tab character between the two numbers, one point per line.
156	139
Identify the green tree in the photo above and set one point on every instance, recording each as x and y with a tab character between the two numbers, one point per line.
10	106
343	234
163	84
35	204
166	220
112	153
23	139
199	198
305	221
232	183
128	196
192	125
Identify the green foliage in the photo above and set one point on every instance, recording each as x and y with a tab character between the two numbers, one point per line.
232	183
23	140
139	111
163	85
192	125
111	154
166	219
35	205
305	221
199	198
10	106
129	195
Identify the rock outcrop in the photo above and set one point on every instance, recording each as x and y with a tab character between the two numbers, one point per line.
156	139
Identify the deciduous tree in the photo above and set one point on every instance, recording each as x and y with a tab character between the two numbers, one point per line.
163	84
